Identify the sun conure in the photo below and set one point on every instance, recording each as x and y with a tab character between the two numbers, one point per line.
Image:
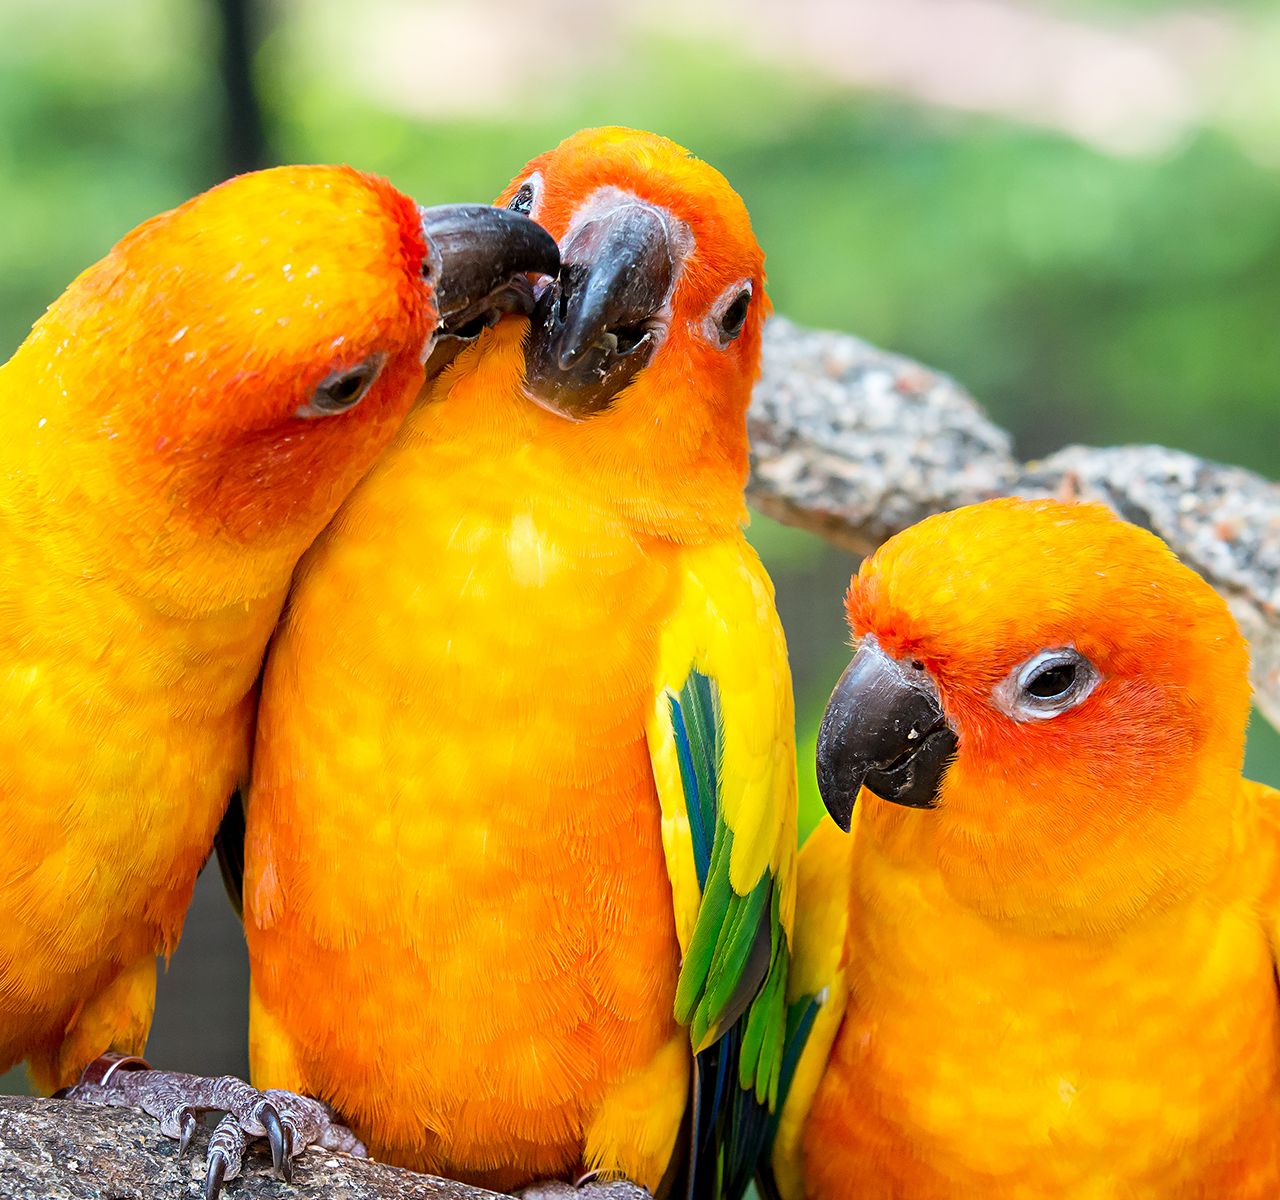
1044	963
522	820
175	431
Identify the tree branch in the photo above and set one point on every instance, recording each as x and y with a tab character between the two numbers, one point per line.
59	1150
855	444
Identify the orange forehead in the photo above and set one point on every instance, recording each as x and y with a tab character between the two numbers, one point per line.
975	591
291	257
225	312
665	174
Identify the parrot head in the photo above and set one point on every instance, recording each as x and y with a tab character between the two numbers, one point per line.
1066	698
650	335
248	354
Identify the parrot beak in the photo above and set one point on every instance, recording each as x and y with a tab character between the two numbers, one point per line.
884	729
593	329
480	257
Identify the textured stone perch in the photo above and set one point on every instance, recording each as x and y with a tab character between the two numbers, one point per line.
57	1150
856	444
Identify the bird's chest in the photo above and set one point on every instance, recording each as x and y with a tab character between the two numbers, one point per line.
539	621
1017	1068
502	860
489	714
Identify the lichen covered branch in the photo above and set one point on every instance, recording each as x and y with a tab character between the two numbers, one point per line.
856	444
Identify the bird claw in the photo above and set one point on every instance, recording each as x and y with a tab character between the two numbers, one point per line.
187	1121
277	1139
289	1123
215	1174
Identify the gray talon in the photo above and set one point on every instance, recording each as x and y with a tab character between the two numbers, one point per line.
226	1153
215	1175
286	1169
277	1138
289	1123
187	1119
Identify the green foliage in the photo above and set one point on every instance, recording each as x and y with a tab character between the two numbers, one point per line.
106	117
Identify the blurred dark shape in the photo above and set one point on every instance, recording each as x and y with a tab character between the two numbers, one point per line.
246	142
202	1000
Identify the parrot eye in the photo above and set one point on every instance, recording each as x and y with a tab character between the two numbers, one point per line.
343	389
522	201
732	307
1047	684
526	196
1052	682
735	316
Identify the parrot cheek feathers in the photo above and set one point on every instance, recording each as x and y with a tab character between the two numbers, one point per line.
883	729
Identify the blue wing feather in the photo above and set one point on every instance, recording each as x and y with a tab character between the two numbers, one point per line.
701	832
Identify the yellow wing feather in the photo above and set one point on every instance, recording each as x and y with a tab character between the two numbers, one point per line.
725	625
818	971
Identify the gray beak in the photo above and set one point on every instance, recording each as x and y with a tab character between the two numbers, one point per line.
481	251
591	332
884	729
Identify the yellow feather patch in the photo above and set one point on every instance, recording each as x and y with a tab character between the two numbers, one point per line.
633	1132
822	884
725	626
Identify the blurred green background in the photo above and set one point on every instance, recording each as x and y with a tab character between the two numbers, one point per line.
1073	208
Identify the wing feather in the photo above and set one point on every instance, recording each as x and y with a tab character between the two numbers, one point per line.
722	743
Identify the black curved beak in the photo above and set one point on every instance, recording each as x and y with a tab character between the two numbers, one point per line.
480	257
592	329
884	729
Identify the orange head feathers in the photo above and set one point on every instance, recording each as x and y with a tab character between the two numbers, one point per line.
242	358
651	334
199	350
1059	688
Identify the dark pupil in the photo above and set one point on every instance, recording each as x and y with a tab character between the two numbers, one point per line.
345	390
736	315
1053	682
522	201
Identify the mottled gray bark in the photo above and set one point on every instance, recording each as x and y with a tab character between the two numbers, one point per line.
856	444
67	1151
58	1150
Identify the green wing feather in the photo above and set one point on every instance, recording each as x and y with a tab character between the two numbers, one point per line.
732	987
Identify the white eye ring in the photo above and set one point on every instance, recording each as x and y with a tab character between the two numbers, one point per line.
1047	684
527	195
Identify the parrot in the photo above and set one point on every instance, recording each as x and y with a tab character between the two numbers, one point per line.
518	854
180	424
1043	963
